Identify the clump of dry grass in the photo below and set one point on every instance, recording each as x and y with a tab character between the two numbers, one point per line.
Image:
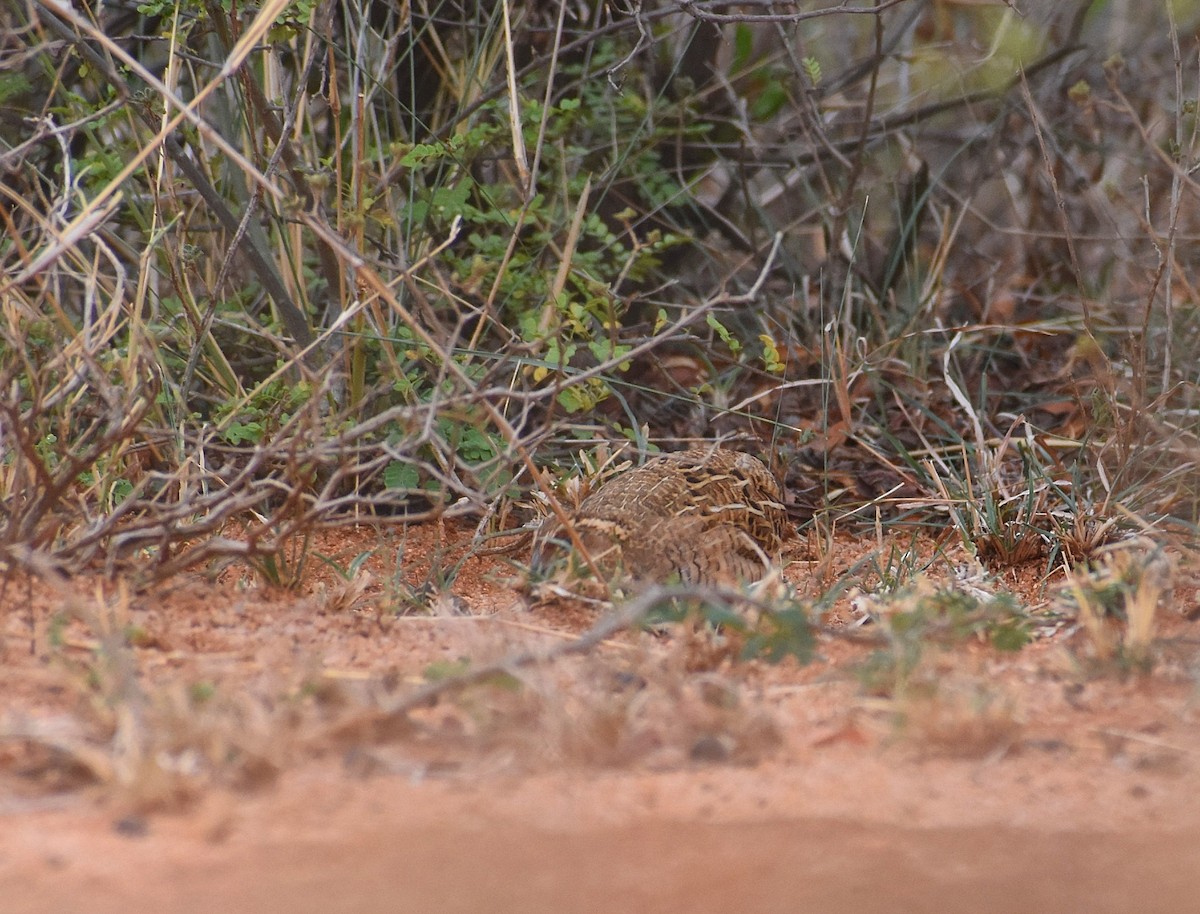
144	748
1116	599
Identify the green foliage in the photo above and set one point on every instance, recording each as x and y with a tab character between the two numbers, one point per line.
772	360
921	614
12	86
511	241
785	632
471	443
256	419
766	84
297	14
401	475
812	68
726	337
958	615
490	212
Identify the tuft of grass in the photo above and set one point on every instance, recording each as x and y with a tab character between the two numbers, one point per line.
148	749
924	614
1116	598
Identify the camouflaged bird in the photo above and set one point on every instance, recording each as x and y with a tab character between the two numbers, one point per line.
709	515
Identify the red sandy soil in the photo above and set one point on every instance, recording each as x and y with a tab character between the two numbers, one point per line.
636	777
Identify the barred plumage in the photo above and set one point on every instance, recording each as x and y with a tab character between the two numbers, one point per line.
708	514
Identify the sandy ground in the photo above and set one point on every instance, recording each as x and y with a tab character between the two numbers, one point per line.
259	775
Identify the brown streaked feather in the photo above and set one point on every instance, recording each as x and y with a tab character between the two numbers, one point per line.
708	514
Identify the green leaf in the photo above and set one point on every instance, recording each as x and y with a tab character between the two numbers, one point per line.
722	331
771	357
244	433
1011	635
422	153
398	475
773	96
812	67
743	47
